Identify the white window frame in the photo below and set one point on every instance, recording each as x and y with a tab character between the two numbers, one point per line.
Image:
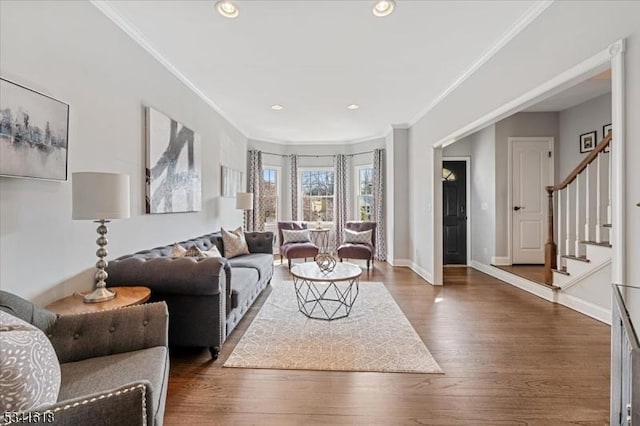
356	187
278	170
301	170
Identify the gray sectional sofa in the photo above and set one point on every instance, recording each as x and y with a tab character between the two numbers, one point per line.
207	297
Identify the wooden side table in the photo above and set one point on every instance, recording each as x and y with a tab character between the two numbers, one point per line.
125	296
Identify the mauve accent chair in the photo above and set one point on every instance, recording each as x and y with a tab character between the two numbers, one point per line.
359	251
295	250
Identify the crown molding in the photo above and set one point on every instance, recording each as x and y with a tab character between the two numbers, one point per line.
527	18
137	36
401	126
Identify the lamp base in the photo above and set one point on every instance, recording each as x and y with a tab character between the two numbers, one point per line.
100	294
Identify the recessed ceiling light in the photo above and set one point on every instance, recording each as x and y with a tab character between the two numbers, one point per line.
277	107
353	106
384	7
227	9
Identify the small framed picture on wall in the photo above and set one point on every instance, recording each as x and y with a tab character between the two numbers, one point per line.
587	141
605	130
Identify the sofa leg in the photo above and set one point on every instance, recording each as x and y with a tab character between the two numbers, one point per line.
289	260
340	260
215	351
368	263
281	259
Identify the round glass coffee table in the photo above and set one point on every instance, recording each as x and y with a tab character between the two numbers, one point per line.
326	296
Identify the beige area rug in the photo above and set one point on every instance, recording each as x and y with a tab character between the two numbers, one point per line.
376	336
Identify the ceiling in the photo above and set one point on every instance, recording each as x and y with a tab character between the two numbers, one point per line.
317	57
575	95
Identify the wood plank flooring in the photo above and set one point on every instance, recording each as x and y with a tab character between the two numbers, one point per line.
509	358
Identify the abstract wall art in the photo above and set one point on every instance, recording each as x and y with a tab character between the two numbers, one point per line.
34	132
173	172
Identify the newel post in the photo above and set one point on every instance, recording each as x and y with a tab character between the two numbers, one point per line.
550	259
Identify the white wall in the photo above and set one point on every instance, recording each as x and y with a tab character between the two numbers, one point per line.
71	51
551	44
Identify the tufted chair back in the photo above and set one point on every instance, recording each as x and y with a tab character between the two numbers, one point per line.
289	225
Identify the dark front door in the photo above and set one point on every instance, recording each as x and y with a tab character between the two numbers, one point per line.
454	201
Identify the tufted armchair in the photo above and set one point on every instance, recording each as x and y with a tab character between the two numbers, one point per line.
114	364
359	250
295	250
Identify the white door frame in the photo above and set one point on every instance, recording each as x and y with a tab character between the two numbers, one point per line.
611	57
550	143
467	160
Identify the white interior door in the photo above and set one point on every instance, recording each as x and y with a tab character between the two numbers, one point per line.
531	166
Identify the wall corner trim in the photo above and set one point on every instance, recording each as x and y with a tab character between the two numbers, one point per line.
501	260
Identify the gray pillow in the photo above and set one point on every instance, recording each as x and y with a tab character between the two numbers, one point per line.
355	237
295	236
29	365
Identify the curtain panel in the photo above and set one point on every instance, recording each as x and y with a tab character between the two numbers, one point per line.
254	219
293	159
378	203
340	203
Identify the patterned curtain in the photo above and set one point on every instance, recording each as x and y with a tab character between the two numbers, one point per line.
254	219
294	187
378	204
340	203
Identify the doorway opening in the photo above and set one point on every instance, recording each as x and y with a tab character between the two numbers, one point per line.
456	231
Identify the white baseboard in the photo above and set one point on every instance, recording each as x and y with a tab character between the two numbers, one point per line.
501	260
516	281
587	308
407	263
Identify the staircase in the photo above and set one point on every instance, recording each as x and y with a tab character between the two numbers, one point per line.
582	254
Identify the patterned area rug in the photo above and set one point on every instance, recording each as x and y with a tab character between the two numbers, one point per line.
376	336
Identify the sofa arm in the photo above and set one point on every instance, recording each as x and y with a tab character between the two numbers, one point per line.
89	335
124	406
259	242
184	275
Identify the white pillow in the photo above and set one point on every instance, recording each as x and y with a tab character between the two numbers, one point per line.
234	243
296	236
355	237
213	252
30	367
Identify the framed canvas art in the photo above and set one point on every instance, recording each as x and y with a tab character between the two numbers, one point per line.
605	130
34	131
231	182
173	172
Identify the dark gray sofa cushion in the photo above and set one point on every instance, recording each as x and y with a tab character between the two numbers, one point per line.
261	262
27	311
93	375
242	283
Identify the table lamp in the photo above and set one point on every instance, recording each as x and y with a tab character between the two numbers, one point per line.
100	197
244	202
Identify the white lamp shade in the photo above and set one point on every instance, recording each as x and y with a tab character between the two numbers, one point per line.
244	200
100	196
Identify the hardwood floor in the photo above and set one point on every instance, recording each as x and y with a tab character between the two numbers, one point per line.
509	358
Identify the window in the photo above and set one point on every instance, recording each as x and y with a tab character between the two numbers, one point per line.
448	175
316	188
364	193
270	195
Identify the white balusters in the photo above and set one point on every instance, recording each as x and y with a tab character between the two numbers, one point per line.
567	241
559	246
577	241
598	200
587	210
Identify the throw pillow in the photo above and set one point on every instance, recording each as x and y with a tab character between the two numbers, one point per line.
355	237
30	367
234	243
178	250
295	236
194	251
213	252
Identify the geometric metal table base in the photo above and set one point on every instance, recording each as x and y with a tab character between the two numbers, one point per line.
326	300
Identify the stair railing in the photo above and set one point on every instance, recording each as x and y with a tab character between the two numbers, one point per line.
581	202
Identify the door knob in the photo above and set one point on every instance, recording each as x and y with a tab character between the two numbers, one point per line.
516	208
